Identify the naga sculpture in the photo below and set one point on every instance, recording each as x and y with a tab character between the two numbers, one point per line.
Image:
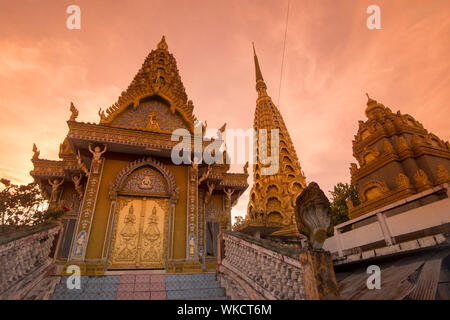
313	215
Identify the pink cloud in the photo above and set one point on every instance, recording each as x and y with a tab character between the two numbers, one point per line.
332	59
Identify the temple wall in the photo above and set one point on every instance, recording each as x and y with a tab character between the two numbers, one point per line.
100	221
179	236
110	170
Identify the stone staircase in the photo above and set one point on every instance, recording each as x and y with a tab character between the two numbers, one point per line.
140	285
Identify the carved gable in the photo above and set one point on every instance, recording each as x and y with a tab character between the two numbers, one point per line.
153	115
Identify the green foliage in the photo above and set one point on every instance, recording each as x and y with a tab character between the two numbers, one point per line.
21	205
339	209
238	220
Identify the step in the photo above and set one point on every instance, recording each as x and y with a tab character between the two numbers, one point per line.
84	296
199	286
183	285
195	293
190	277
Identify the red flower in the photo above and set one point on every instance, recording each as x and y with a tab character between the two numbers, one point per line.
65	208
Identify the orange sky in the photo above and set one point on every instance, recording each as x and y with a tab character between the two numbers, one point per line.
331	60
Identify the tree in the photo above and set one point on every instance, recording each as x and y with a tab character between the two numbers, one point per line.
238	220
21	205
340	194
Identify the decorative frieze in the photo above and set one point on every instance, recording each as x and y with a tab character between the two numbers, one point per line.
79	245
191	221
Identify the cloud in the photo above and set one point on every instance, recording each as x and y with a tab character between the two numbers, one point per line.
331	60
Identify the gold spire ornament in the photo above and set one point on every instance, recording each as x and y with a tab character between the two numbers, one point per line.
261	87
35	152
74	112
162	45
272	198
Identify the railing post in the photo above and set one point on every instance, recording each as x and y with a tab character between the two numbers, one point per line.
337	234
385	229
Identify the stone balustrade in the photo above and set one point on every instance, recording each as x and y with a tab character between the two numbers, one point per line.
257	269
25	258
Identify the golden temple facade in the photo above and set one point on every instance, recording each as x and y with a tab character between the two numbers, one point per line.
397	158
130	206
272	197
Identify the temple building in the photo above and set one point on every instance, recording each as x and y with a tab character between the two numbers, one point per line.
402	224
141	225
272	197
397	158
129	206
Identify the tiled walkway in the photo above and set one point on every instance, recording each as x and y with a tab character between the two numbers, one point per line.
142	285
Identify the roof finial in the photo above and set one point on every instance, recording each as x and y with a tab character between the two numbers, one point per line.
74	112
257	68
370	100
162	44
260	85
35	152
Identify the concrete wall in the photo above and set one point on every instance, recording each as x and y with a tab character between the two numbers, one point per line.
427	216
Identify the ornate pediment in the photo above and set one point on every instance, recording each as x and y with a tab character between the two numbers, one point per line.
144	176
152	115
65	151
158	76
145	181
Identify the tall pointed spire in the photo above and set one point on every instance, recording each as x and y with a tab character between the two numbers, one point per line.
257	68
273	196
260	84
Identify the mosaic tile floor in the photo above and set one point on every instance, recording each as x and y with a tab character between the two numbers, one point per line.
141	286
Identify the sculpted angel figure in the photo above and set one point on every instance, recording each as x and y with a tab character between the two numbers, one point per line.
194	164
96	155
228	192
80	243
55	188
205	175
78	186
209	192
81	164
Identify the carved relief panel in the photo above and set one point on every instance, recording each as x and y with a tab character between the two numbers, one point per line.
139	239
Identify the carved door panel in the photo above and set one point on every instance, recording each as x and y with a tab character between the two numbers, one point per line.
139	238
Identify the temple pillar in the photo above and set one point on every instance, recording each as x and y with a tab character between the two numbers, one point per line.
318	275
80	241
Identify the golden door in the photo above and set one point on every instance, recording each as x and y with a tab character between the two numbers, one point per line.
139	237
